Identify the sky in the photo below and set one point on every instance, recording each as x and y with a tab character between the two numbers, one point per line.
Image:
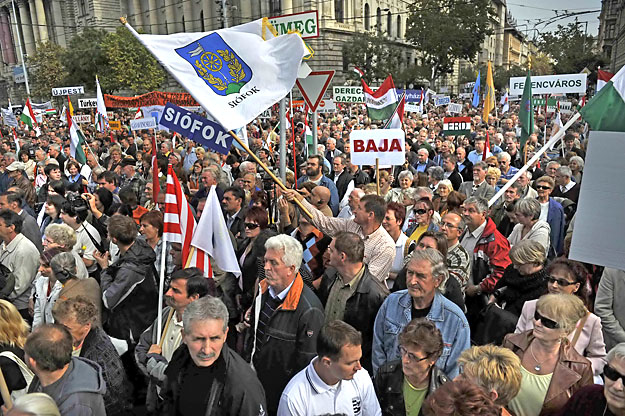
529	12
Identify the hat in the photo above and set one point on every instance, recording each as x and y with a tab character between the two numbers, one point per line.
16	166
128	161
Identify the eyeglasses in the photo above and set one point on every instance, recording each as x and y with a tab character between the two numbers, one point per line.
542	188
560	282
447	225
405	353
251	226
612	374
421	211
547	323
492	166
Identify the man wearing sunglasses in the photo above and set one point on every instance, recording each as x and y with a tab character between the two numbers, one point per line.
608	399
507	171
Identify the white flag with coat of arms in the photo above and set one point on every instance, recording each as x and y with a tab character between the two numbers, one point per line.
233	73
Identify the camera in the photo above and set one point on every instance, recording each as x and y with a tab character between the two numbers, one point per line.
77	203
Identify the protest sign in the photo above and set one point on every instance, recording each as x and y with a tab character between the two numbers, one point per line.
326	106
456	126
454	108
82	118
87	103
386	145
345	94
444	100
143	123
67	91
551	84
197	128
412	108
306	23
412	96
114	124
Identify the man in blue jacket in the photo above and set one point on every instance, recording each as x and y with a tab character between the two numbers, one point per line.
314	173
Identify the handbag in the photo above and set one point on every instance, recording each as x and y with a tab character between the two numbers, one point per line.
493	325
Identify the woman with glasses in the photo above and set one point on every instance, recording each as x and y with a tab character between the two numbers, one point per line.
252	250
551	369
403	385
566	276
552	212
605	400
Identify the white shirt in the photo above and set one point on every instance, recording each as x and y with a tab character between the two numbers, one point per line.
544	211
400	245
83	240
567	187
308	395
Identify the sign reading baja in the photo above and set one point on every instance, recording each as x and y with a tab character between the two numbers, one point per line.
56	92
87	103
551	84
143	123
348	95
386	145
457	126
305	23
200	130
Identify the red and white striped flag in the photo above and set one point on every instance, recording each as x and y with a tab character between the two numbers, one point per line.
180	225
138	114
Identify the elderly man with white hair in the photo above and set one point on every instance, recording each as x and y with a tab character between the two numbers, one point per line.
352	203
507	171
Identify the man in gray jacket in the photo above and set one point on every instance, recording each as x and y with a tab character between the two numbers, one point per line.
609	308
75	384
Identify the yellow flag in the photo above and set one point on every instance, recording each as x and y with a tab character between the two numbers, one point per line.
489	98
70	107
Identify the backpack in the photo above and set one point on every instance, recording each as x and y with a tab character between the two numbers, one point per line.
26	373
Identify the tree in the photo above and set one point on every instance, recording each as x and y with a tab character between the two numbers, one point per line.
85	58
571	49
132	66
46	70
542	64
374	54
445	31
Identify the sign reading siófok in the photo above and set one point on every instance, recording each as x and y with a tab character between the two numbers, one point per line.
217	64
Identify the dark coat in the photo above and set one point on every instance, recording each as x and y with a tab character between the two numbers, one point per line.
360	309
456	179
343	182
388	384
572	194
556	220
253	260
235	391
467	172
519	289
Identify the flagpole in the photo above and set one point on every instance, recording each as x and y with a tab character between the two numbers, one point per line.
534	158
282	114
161	289
19	46
377	175
269	172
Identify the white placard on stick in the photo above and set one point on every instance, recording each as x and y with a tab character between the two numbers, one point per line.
599	229
550	84
82	118
56	92
387	145
143	123
454	108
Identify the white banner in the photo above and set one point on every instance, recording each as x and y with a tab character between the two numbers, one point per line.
9	118
411	108
155	111
326	106
454	108
56	92
143	123
345	94
87	103
82	118
551	84
444	100
387	145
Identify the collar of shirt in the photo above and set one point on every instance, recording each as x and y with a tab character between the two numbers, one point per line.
479	184
567	187
401	240
478	231
355	280
317	384
282	294
233	215
379	230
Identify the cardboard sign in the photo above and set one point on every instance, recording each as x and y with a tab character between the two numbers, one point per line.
115	125
305	23
411	108
457	126
143	123
200	130
265	115
87	103
454	108
444	100
82	118
56	92
551	84
386	145
345	94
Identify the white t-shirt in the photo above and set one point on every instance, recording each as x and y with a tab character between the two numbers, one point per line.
307	395
544	211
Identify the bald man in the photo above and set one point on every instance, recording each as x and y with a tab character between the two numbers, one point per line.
320	197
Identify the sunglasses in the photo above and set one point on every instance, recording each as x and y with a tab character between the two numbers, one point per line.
413	358
421	211
492	166
542	188
560	282
547	323
612	374
251	226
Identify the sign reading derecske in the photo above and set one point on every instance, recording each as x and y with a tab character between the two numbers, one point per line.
387	145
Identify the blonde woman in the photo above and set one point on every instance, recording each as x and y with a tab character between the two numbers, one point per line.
13	333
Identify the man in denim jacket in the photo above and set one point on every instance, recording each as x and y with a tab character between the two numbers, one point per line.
426	275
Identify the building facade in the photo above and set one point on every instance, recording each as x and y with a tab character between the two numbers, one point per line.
612	33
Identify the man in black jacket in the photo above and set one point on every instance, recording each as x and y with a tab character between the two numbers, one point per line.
204	376
341	177
350	292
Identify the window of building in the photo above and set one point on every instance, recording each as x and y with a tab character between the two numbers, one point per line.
184	26
378	23
610	31
203	27
275	7
83	7
367	17
400	34
339	11
389	24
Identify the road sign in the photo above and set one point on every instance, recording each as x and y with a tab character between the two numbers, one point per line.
314	86
56	92
345	94
143	123
457	126
386	145
87	103
82	118
305	22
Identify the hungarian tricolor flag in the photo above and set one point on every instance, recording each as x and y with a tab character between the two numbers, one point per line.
76	141
604	111
28	117
381	103
602	78
397	120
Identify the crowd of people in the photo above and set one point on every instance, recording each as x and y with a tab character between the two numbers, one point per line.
401	291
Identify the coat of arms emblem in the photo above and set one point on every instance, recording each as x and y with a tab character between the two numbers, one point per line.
217	64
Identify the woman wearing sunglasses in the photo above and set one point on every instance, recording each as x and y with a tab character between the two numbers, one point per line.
551	369
608	400
403	385
566	276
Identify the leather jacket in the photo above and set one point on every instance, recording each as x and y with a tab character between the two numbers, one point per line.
571	373
389	381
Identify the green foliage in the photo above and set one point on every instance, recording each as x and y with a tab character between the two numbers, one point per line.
570	48
542	64
374	54
46	70
85	58
445	31
132	66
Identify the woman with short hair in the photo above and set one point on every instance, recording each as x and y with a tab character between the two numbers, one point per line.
529	226
13	333
405	179
402	385
551	368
